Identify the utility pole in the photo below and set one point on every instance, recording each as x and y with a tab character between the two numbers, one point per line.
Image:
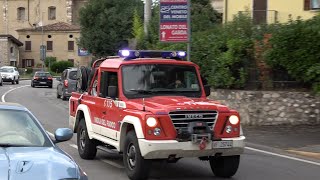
42	47
147	15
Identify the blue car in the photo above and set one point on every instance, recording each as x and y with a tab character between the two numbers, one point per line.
28	153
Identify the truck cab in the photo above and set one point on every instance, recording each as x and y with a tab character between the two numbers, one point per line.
151	105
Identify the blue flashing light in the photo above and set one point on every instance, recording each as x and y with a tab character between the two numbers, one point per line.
133	54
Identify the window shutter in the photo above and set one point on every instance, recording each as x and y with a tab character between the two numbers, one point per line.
32	62
49	45
23	63
28	46
70	45
307	5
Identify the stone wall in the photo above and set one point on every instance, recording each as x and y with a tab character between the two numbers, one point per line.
271	107
3	51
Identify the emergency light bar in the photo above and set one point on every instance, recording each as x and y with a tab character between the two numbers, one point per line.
133	54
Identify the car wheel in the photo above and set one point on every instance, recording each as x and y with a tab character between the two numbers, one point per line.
136	166
58	96
17	82
1	83
13	80
87	148
50	86
224	166
32	85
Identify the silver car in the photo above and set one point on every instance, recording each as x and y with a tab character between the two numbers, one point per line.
67	83
28	153
10	74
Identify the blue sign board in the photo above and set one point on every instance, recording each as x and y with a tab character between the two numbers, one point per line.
83	52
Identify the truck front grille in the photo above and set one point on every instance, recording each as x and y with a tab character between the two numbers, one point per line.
180	119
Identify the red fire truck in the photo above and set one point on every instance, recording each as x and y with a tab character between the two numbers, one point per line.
152	105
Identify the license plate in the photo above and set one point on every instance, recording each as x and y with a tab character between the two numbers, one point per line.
221	144
43	82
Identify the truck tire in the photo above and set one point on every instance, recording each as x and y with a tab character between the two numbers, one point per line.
224	166
136	166
83	78
87	148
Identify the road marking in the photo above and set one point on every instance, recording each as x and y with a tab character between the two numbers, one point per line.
283	156
4	95
74	146
112	163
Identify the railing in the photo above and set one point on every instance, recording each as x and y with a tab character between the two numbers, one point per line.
262	16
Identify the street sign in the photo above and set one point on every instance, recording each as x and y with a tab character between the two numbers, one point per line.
43	52
83	52
174	21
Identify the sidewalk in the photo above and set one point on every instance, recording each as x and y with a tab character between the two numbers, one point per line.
302	140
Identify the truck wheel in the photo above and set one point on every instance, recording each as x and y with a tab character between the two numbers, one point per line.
87	148
136	166
224	166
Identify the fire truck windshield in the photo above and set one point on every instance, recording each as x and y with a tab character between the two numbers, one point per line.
160	79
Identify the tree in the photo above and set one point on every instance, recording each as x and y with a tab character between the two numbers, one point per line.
50	59
105	25
137	29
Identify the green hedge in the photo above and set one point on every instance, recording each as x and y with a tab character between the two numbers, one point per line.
60	66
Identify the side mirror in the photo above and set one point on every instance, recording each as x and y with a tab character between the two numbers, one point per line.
207	90
63	134
112	91
58	78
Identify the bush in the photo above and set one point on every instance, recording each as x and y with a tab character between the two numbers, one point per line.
295	47
29	71
51	60
60	66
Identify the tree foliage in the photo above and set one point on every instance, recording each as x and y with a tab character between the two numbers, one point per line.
50	59
106	25
60	66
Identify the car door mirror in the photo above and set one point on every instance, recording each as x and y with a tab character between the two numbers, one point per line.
63	134
58	78
207	90
112	91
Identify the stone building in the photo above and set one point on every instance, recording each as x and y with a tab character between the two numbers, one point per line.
9	50
28	16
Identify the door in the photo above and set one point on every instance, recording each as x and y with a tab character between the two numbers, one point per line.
113	111
260	11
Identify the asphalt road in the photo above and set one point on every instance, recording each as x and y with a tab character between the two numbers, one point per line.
255	164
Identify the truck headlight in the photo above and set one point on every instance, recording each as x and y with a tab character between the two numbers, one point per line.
152	122
233	119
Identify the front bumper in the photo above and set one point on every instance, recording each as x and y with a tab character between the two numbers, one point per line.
7	79
156	149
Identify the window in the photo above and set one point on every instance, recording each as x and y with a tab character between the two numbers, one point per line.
107	79
70	45
27	63
311	4
49	45
28	46
11	50
52	13
21	13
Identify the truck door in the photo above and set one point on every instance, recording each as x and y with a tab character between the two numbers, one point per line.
112	116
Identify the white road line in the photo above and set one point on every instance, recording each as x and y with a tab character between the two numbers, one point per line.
112	163
283	156
74	146
4	95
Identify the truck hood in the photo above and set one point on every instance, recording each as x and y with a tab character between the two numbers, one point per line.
37	163
165	104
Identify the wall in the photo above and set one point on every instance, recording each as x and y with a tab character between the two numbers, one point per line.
60	46
285	8
271	107
4	51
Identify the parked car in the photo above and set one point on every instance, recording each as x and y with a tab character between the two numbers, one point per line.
10	74
26	150
41	78
67	83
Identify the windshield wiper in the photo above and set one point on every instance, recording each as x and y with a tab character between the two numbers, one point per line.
142	91
5	145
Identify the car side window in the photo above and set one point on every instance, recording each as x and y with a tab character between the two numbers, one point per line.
107	79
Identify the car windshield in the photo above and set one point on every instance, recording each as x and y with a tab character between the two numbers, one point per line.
160	79
19	128
73	75
43	74
10	70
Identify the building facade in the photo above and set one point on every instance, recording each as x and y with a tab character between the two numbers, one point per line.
271	11
9	50
23	20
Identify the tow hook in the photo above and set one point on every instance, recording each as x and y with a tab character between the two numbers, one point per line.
203	143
